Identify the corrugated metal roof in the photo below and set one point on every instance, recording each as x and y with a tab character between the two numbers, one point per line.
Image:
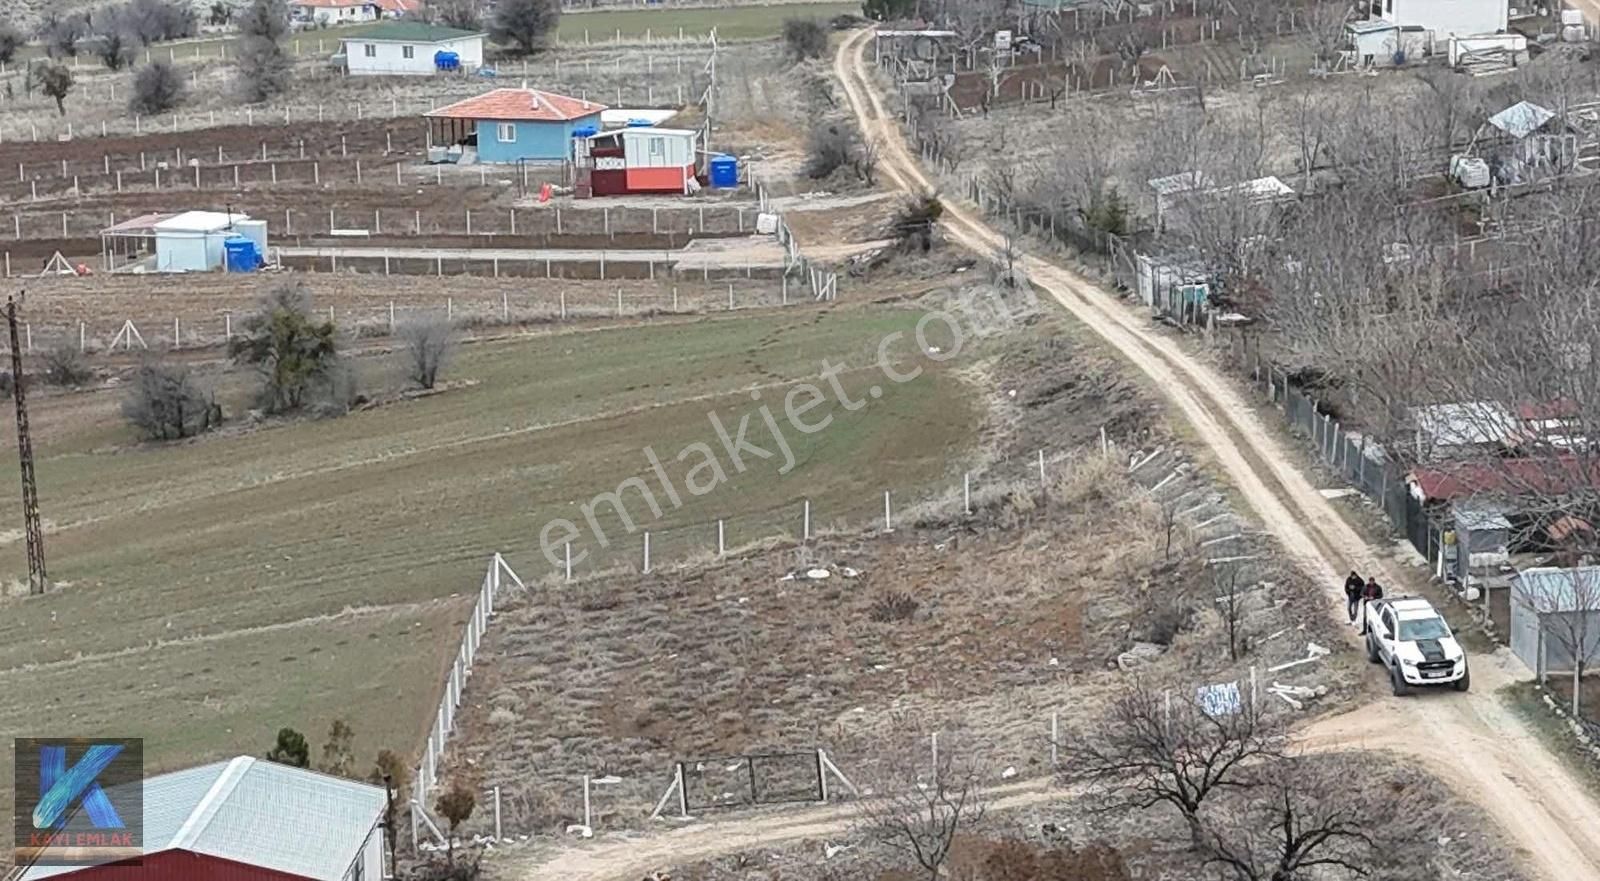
200	221
1521	119
1549	589
259	813
518	104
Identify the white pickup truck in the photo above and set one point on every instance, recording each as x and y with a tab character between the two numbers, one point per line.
1409	637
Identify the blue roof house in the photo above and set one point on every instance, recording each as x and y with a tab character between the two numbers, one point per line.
515	125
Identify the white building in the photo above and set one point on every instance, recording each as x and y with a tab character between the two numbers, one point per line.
1448	18
407	48
192	241
326	13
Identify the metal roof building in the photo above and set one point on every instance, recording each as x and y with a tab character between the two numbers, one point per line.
249	820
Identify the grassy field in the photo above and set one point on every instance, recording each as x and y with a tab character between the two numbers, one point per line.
213	591
732	23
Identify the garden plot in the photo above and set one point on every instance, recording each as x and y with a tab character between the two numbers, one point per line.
978	626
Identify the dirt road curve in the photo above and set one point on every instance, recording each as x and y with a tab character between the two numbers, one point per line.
1471	740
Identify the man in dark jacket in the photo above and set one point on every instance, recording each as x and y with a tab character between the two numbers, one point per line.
1353	586
1372	591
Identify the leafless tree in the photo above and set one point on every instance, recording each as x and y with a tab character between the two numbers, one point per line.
1307	816
1321	26
1231	598
1566	606
1153	747
429	342
921	818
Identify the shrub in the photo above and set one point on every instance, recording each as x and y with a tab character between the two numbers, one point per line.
157	88
151	20
338	757
455	804
392	765
165	403
893	606
295	354
429	343
263	67
831	148
64	366
220	14
10	41
61	33
113	48
1107	211
523	25
804	38
290	749
913	222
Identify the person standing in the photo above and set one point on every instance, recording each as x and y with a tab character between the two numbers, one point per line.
1353	586
1372	591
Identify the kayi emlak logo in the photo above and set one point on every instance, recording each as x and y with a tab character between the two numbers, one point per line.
79	800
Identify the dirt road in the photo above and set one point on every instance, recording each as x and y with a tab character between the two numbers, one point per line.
1472	741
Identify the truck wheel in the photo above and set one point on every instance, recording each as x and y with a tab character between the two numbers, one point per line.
1401	689
1465	682
1372	650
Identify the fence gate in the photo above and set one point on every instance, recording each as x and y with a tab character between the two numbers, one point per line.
749	780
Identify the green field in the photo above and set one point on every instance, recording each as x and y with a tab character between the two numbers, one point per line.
732	23
214	591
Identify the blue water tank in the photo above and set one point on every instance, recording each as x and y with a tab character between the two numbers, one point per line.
585	131
724	172
446	60
640	123
242	254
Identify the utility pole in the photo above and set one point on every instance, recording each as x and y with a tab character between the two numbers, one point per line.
37	579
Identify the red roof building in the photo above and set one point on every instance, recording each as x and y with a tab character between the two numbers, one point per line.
515	125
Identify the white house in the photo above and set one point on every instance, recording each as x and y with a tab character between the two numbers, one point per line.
326	13
1449	18
408	48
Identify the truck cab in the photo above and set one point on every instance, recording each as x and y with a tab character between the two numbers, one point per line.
1411	639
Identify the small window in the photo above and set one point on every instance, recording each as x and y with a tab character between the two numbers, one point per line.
408	52
507	133
371	50
657	147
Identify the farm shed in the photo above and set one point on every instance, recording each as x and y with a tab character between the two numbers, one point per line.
514	125
1379	43
410	48
637	160
249	820
1525	142
1555	617
1482	538
193	241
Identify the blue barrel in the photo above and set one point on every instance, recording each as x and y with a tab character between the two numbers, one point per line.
241	254
724	172
585	131
446	60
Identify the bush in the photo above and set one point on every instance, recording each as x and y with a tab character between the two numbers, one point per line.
263	67
893	606
113	48
429	343
221	14
523	25
831	148
913	222
157	88
804	38
291	749
392	765
61	33
165	403
295	354
151	20
64	366
888	10
10	41
1107	211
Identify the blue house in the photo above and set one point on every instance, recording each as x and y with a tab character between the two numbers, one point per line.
514	125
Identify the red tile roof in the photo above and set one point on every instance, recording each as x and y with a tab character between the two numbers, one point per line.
329	4
529	104
1536	476
398	7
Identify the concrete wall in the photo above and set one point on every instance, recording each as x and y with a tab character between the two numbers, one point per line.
389	59
535	141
